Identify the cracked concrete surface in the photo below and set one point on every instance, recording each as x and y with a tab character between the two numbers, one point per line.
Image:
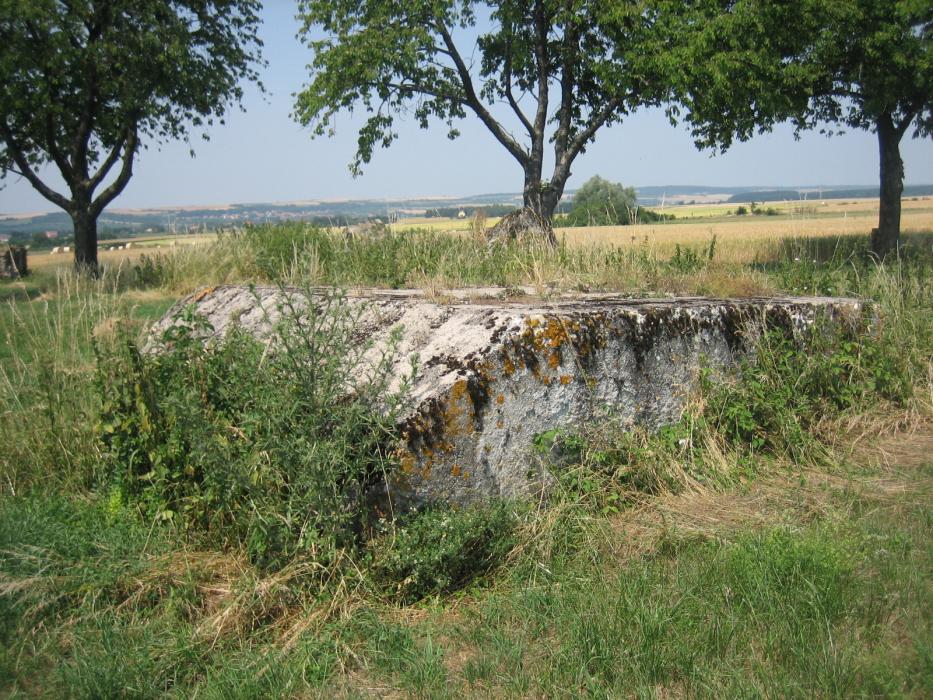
497	367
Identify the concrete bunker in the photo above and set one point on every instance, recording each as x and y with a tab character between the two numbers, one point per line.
495	370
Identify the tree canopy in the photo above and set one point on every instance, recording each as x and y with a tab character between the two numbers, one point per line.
864	64
600	202
560	69
86	82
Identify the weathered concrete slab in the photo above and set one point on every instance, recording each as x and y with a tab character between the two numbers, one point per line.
498	367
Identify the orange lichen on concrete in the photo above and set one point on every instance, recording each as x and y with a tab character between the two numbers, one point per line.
459	413
455	470
406	461
203	293
500	399
565	379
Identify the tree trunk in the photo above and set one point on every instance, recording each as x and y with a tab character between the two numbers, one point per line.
542	198
886	237
85	228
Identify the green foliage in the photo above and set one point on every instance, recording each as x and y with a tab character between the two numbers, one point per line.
777	398
865	64
389	58
439	550
845	62
85	82
599	202
251	445
688	260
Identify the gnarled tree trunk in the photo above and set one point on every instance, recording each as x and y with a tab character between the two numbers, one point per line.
542	198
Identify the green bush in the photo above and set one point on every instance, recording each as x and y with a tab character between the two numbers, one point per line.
791	383
442	549
249	445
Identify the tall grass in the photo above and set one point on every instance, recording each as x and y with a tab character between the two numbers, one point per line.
593	592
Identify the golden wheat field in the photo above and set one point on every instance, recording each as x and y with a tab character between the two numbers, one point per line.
748	238
739	239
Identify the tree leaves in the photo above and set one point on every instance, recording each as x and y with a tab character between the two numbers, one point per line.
84	81
443	59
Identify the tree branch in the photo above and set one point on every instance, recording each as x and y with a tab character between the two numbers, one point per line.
50	141
541	30
26	171
565	114
586	134
473	102
902	125
105	167
126	172
86	123
507	80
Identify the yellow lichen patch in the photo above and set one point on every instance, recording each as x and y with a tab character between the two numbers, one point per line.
554	334
553	359
508	367
565	379
466	475
459	413
406	461
546	381
203	293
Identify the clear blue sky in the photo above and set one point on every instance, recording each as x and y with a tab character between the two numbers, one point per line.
261	155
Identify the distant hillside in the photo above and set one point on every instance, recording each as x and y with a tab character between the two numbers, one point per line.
340	213
815	193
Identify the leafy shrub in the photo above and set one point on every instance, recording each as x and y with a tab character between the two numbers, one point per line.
247	446
773	403
599	202
150	271
775	398
440	550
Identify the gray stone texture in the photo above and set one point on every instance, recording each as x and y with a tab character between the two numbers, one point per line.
498	367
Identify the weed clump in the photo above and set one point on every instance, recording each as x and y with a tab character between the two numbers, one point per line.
441	549
268	447
776	400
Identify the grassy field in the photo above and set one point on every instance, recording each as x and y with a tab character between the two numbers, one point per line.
746	239
777	541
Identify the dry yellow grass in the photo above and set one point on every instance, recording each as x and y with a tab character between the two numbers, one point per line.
740	239
45	260
820	207
437	224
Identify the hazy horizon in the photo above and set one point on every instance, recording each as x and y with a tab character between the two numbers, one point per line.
261	155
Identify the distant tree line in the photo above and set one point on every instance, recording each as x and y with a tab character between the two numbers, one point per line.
852	193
